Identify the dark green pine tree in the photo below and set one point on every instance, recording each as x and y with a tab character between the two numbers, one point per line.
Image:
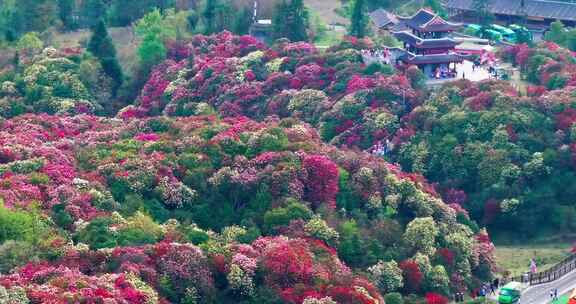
298	21
65	8
279	19
243	21
358	20
91	12
209	15
102	47
291	21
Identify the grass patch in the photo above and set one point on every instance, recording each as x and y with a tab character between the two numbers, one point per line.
516	258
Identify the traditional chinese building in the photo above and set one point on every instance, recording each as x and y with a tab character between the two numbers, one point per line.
428	43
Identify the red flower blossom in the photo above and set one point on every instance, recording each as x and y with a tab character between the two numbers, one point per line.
249	75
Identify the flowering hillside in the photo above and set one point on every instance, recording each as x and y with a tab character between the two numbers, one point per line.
496	177
508	159
238	76
209	210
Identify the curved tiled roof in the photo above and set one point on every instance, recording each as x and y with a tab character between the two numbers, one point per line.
427	21
422	17
533	8
382	17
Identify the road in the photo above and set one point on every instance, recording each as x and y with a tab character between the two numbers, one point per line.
540	294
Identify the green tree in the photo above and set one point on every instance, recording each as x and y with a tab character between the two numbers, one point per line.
97	234
243	21
36	15
102	47
124	12
9	27
209	15
218	15
65	8
30	43
17	225
291	21
358	19
557	33
151	50
91	12
167	25
151	23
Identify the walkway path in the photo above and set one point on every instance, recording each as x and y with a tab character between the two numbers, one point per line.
540	294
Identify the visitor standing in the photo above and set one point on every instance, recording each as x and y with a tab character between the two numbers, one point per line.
533	267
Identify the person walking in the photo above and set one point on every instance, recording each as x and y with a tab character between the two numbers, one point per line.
555	294
552	294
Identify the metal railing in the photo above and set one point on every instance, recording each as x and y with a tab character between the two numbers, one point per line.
554	273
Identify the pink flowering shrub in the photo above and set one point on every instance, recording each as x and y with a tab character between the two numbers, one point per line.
185	266
44	283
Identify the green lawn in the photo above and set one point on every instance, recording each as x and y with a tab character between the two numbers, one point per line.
516	259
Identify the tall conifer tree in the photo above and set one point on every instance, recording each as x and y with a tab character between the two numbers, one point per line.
92	11
209	15
291	21
358	22
102	47
65	8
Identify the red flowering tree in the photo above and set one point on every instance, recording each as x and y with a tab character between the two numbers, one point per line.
412	275
322	183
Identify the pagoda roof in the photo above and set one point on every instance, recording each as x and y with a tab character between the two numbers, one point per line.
420	43
411	58
548	9
382	18
427	21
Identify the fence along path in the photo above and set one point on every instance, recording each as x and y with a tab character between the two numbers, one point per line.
554	273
